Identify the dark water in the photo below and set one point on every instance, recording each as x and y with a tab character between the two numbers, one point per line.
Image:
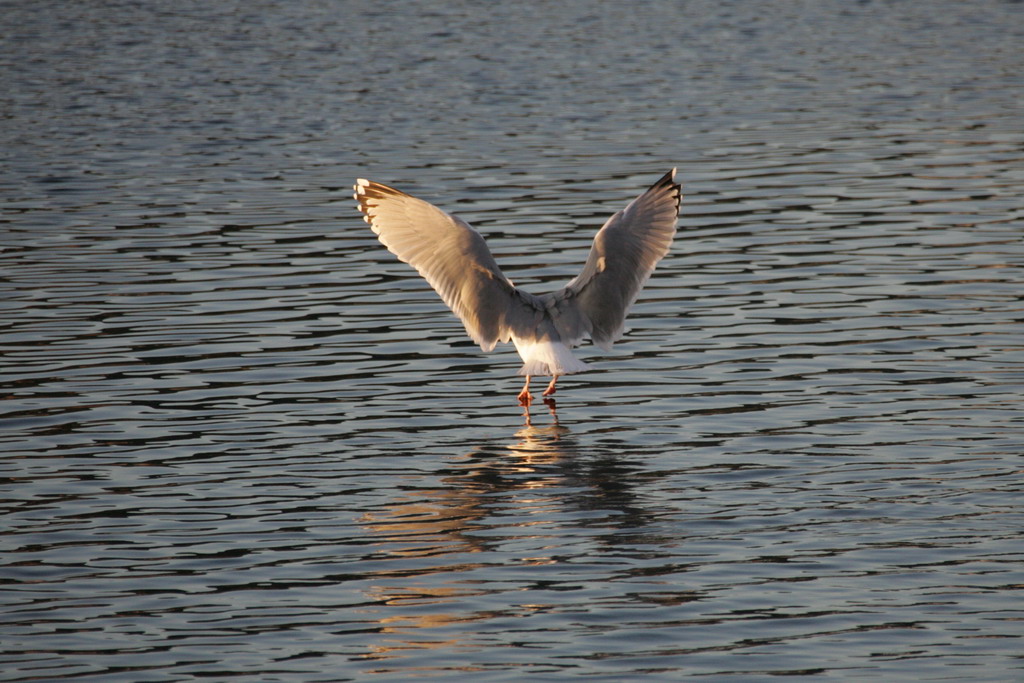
241	441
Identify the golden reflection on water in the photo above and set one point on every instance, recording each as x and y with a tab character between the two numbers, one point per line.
440	525
429	521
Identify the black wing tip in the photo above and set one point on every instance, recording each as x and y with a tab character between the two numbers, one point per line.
364	187
668	182
368	194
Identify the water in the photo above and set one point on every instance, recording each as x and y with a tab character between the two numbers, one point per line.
242	441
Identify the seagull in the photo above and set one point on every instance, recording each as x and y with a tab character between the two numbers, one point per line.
455	260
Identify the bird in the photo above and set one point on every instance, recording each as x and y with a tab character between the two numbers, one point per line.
454	259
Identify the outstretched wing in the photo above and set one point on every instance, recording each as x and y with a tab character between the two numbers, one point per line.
453	258
625	251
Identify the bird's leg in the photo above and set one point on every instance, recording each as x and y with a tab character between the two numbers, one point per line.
551	387
524	396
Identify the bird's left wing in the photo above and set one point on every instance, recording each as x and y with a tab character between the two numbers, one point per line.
453	258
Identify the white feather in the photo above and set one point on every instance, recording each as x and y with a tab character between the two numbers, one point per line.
456	262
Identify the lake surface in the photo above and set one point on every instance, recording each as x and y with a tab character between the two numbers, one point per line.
241	441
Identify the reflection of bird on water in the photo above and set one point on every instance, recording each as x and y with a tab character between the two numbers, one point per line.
547	445
549	402
432	550
456	262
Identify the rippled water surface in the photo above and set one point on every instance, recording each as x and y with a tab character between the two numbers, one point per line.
241	441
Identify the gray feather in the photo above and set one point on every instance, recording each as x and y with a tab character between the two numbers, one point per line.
625	251
455	260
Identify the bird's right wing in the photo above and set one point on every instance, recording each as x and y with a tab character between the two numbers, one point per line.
623	256
453	258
